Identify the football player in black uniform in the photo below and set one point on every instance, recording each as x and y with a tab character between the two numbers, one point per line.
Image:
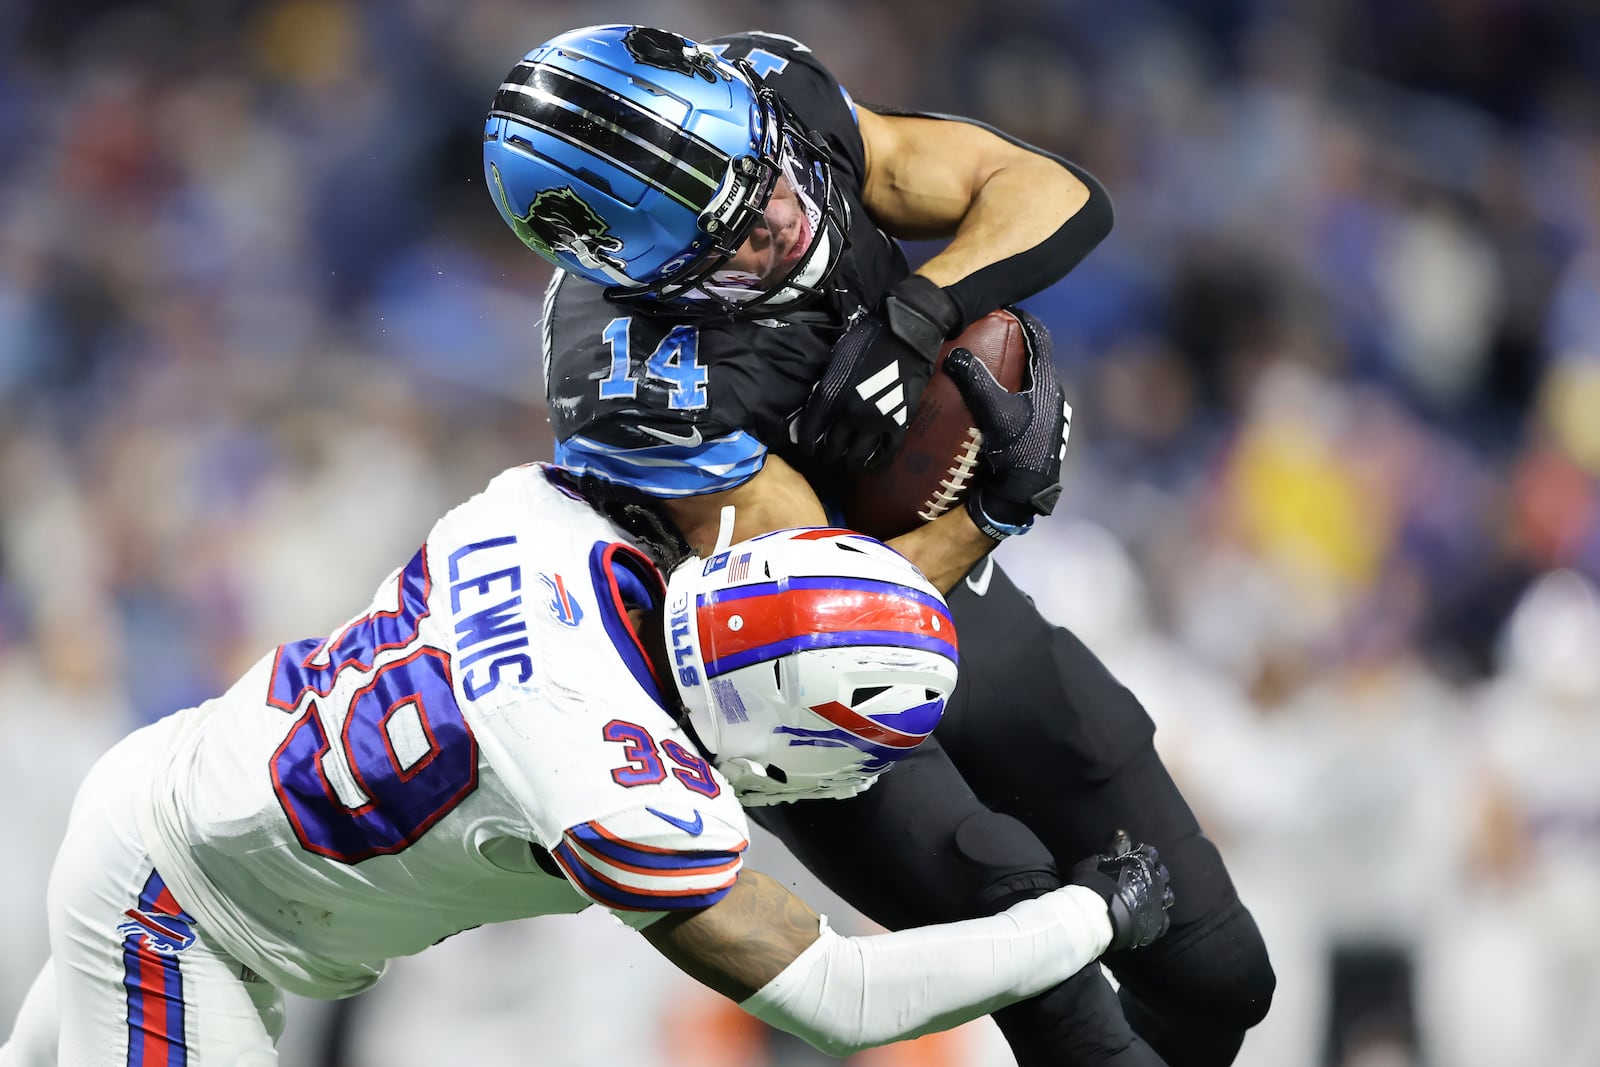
734	323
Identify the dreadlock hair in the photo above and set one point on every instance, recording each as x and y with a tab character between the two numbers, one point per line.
638	514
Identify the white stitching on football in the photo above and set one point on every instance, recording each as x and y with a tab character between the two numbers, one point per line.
956	478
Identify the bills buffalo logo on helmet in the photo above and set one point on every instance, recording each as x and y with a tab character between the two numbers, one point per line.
165	935
658	48
885	738
559	220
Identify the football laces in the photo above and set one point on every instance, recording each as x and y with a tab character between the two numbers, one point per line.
956	477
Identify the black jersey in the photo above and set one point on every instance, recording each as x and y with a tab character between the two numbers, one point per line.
679	408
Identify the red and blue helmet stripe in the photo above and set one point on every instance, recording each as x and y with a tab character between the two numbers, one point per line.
757	623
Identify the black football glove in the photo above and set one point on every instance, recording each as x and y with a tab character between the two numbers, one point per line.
1024	437
857	413
1134	884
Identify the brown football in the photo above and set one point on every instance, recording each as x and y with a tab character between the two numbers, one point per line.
938	457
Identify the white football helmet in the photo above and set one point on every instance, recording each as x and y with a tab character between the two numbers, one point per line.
810	660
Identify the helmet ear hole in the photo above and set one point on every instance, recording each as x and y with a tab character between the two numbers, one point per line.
775	772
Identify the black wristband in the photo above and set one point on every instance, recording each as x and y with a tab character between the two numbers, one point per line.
921	314
991	527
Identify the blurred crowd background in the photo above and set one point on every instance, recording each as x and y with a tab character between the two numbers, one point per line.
1334	494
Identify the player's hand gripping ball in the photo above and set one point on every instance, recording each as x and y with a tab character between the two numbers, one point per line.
939	458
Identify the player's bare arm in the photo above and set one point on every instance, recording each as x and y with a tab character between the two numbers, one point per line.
933	178
1018	219
775	498
778	497
742	942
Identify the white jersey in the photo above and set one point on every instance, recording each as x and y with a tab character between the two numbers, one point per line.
361	797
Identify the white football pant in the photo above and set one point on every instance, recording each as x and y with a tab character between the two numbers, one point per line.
131	981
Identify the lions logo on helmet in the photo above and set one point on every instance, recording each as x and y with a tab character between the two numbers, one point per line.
658	48
559	220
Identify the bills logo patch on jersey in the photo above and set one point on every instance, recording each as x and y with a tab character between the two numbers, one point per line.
562	604
165	935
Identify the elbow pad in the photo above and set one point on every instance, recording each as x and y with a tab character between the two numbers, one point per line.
845	994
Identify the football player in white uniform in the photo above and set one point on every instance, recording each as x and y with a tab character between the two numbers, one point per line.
496	738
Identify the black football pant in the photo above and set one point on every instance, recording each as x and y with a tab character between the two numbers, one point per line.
1040	756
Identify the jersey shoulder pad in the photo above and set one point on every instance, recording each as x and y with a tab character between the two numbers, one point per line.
656	859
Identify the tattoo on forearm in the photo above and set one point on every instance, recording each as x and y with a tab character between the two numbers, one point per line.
778	926
744	941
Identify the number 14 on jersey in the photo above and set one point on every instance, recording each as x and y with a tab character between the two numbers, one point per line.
676	361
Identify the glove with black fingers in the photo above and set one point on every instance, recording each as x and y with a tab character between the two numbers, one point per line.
857	413
1024	442
1134	884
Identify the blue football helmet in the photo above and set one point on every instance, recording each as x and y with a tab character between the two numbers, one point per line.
642	161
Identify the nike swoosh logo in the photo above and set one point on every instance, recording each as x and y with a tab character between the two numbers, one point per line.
693	829
688	440
979	582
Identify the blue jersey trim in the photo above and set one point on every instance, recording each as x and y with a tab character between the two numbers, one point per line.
668	470
605	568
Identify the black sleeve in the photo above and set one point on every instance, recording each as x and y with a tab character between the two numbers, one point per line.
1019	276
